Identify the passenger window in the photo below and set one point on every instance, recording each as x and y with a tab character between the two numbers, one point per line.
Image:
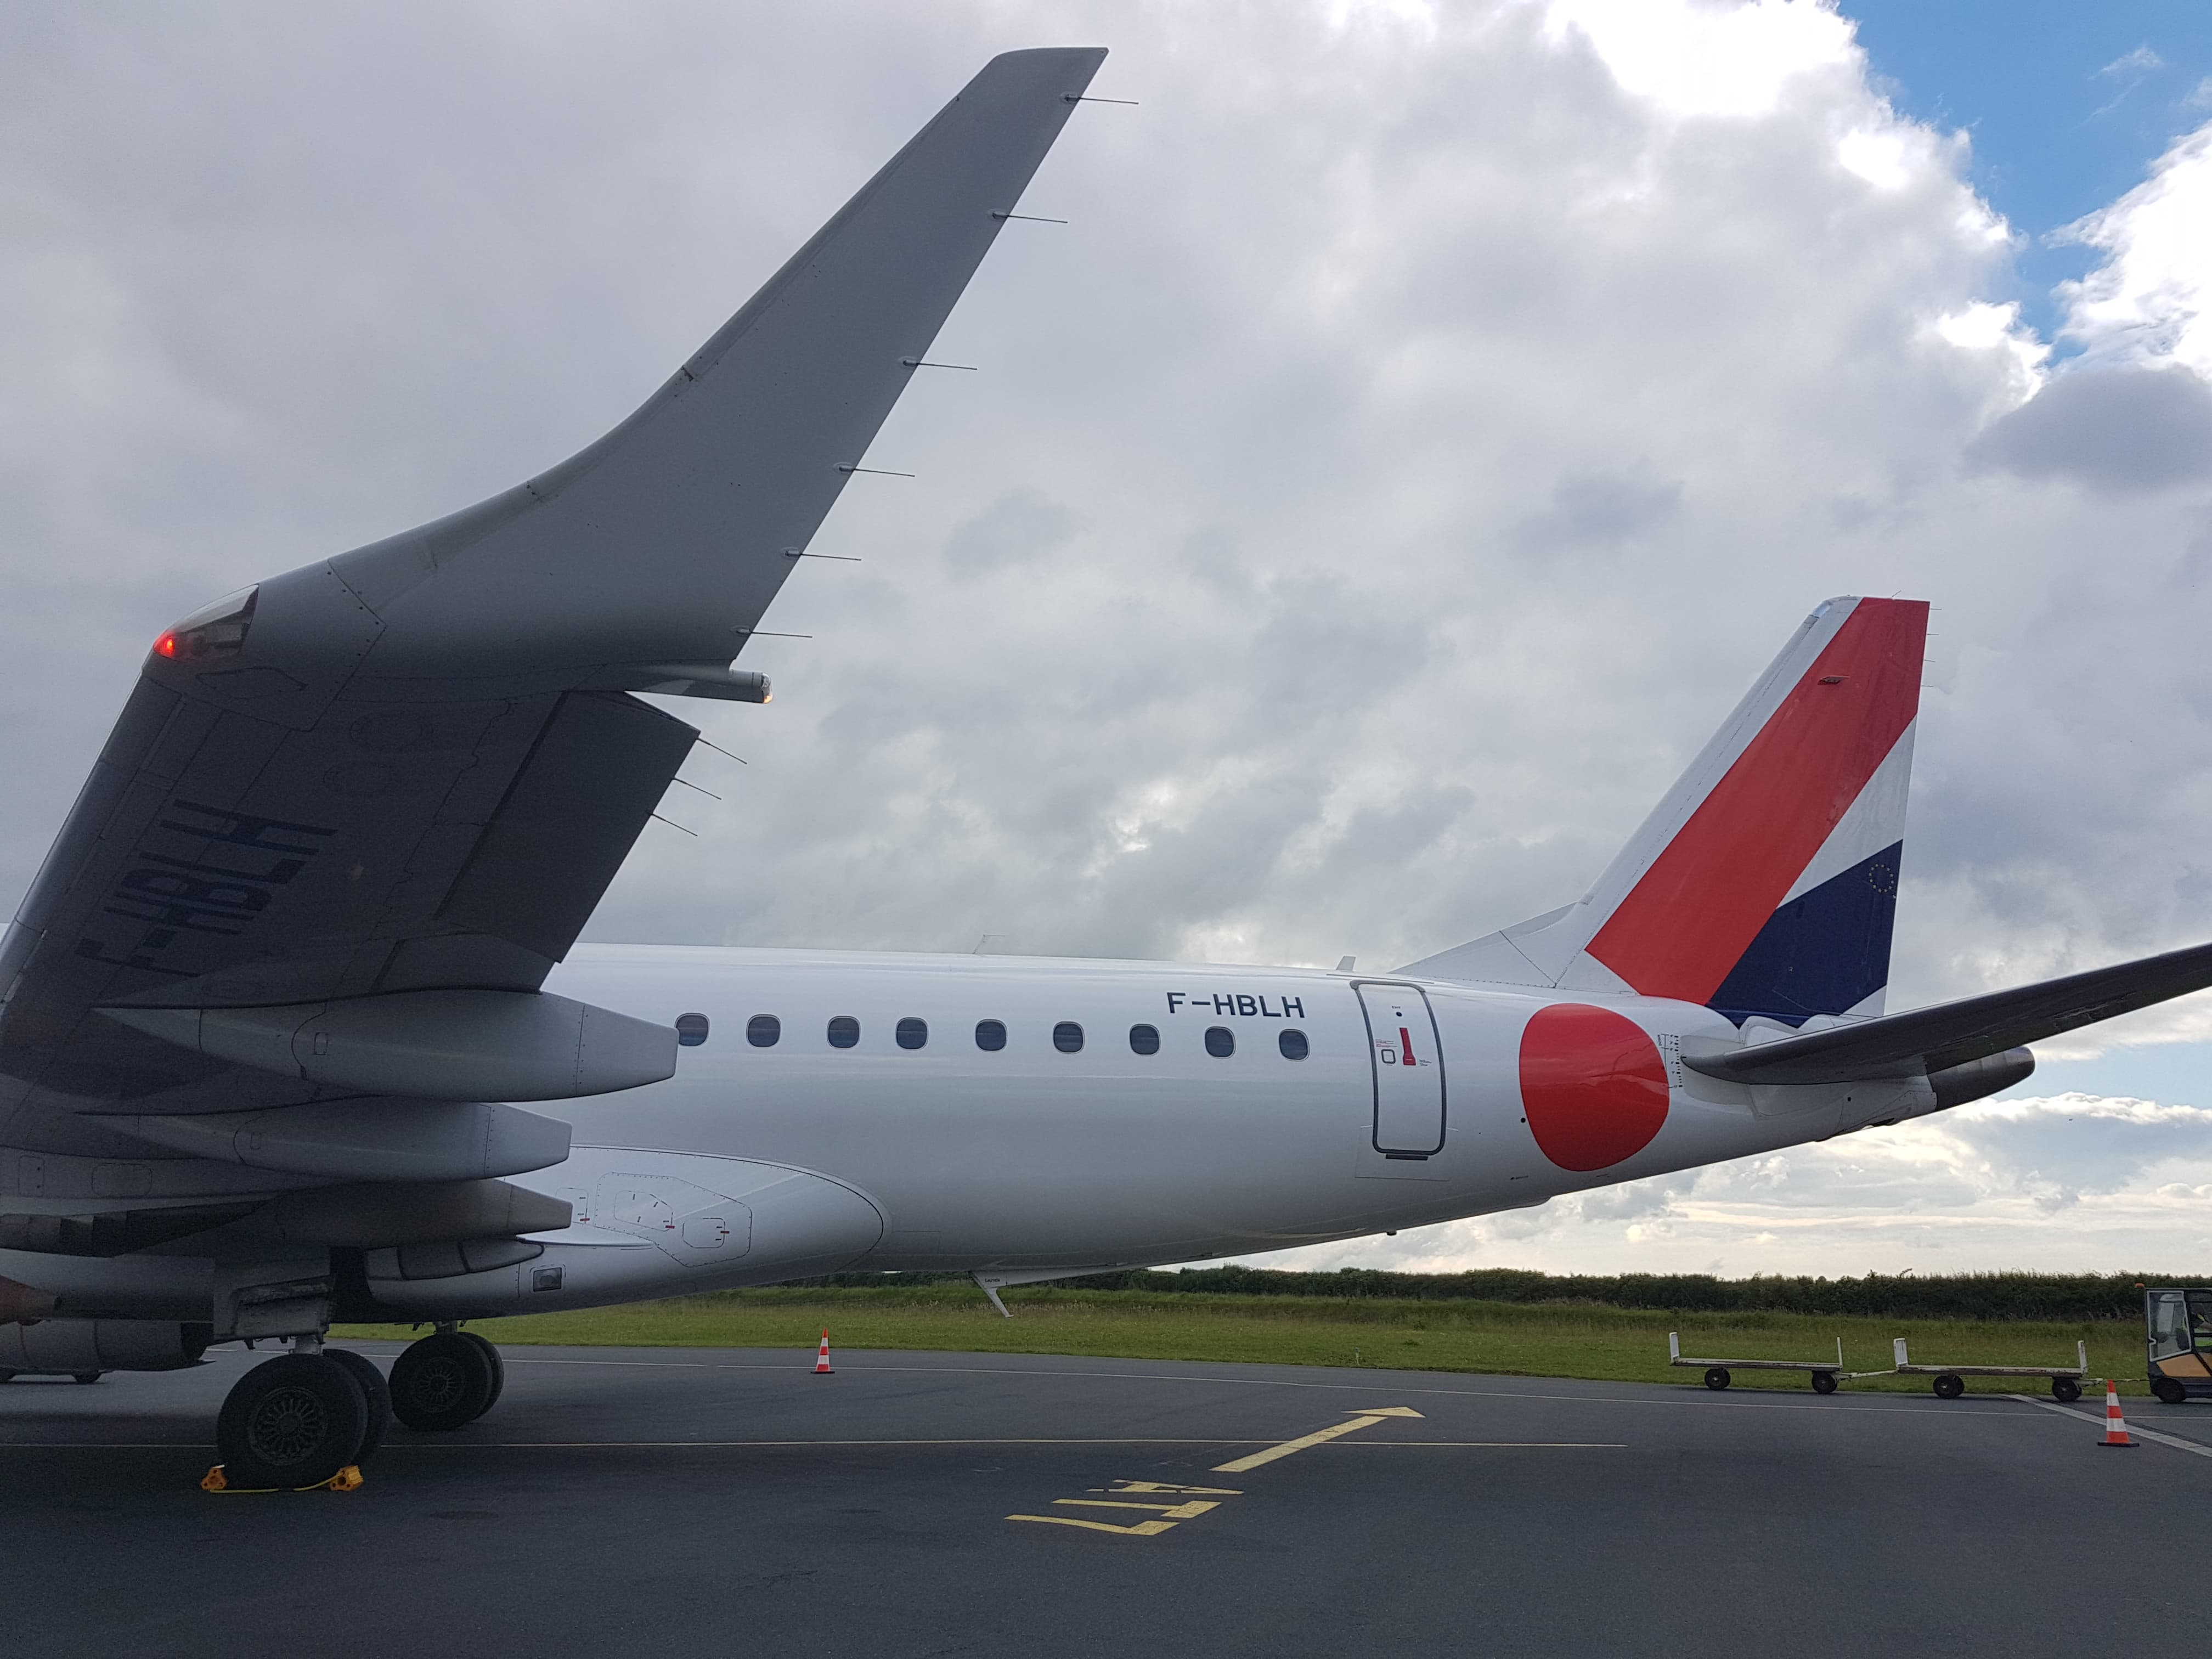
990	1036
1292	1043
690	1030
844	1031
1145	1039
911	1033
761	1030
1220	1042
1067	1038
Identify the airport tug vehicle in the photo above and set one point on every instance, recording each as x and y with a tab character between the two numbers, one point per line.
296	1028
2180	1339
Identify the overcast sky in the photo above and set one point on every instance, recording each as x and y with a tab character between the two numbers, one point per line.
1429	420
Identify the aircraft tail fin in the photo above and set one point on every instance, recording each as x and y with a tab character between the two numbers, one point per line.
1764	885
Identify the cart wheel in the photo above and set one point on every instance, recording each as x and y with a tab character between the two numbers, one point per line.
2168	1390
1717	1378
1824	1382
1948	1387
2065	1390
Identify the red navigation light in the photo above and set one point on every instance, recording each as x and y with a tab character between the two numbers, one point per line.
216	630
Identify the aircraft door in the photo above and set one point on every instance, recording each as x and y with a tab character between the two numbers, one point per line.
1408	1063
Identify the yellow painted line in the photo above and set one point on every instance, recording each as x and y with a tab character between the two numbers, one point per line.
1364	1420
1141	1530
1190	1511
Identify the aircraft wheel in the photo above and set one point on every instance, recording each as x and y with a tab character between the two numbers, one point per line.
293	1421
443	1382
86	1376
2065	1390
498	1366
1948	1387
375	1391
7	1376
1824	1382
1717	1378
2169	1392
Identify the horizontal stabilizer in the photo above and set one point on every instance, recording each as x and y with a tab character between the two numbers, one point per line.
1951	1034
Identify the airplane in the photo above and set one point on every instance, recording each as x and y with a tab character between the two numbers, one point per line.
296	1029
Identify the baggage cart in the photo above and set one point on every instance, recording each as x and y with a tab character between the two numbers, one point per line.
1823	1376
1951	1380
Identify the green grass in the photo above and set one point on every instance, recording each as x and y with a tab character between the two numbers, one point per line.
1498	1338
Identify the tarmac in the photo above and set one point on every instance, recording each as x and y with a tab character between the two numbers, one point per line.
676	1502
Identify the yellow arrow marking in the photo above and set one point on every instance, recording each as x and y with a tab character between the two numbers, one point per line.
1189	1511
1142	1529
1366	1419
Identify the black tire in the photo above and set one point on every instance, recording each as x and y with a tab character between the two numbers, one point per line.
498	1366
1717	1378
442	1382
7	1376
375	1391
86	1376
1948	1387
1824	1382
2168	1390
289	1422
2065	1390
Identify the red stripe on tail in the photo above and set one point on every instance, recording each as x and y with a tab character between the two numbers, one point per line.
1698	907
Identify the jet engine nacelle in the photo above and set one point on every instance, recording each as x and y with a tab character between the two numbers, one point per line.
74	1347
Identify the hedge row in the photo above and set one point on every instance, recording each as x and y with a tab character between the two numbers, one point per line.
1959	1296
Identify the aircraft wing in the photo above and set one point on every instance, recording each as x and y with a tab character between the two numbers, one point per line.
1932	1040
367	805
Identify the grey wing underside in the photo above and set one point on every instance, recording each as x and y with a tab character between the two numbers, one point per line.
421	767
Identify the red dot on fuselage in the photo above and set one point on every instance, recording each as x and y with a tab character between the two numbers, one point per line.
1592	1084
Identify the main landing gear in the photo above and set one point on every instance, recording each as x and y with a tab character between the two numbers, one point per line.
297	1420
446	1380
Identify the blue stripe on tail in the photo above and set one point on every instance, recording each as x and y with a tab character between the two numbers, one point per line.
1826	950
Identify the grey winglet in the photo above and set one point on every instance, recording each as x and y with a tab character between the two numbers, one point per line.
664	541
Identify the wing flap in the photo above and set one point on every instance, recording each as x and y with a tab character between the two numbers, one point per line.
600	766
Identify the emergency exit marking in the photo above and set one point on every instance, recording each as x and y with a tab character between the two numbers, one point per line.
1197	1501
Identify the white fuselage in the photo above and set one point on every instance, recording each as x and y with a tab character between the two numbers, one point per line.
1033	1157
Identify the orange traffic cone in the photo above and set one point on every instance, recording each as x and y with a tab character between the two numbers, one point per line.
2116	1427
821	1366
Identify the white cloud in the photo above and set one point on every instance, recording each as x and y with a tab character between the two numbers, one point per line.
2070	1182
1692	58
2141	61
2147	300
